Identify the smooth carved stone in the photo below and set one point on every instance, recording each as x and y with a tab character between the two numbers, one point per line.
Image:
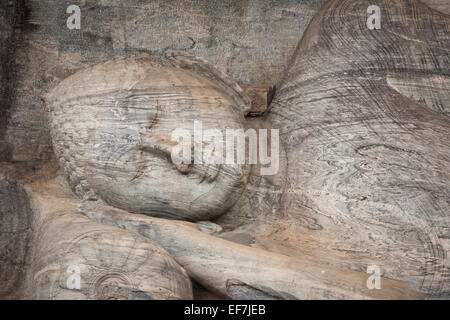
112	124
260	96
236	271
368	165
111	264
209	227
74	257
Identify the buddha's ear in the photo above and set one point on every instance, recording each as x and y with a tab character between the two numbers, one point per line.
188	61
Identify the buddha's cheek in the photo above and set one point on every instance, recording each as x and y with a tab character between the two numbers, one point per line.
157	188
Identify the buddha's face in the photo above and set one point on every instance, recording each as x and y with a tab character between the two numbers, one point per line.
119	142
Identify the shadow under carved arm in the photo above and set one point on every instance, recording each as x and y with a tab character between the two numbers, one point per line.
111	127
222	266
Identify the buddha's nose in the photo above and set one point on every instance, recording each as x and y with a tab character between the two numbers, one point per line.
162	146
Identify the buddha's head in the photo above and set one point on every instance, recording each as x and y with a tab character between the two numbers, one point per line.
112	129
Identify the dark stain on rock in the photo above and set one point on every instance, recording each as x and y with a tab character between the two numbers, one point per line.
15	237
242	238
13	19
140	295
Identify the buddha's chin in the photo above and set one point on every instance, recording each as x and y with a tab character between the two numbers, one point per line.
184	200
204	193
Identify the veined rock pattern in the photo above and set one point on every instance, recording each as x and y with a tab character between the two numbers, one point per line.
366	159
93	204
112	125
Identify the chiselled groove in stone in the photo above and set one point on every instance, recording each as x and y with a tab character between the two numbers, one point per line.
15	237
238	290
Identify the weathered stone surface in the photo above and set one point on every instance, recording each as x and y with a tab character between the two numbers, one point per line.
363	178
15	238
432	90
368	167
111	263
249	40
112	128
10	15
218	264
260	96
439	5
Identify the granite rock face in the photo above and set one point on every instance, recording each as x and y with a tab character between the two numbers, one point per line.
249	40
364	157
15	237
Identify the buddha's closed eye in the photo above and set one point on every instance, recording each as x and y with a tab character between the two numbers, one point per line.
127	157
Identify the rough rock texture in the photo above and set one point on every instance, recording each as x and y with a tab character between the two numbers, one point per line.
439	5
249	40
10	17
237	271
260	96
15	237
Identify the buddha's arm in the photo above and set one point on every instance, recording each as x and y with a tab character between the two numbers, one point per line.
74	257
241	272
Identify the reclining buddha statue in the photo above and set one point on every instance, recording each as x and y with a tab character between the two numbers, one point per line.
362	179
